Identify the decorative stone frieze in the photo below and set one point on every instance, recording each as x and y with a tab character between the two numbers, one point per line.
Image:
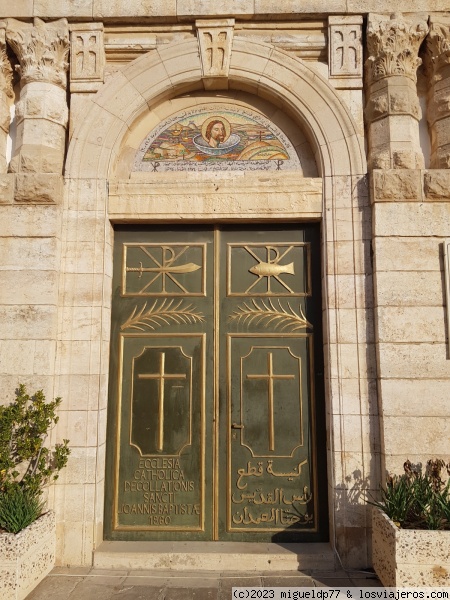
345	51
392	110
215	40
6	94
87	57
437	63
42	50
41	113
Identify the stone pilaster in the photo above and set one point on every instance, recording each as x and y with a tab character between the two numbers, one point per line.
392	110
41	113
437	62
6	93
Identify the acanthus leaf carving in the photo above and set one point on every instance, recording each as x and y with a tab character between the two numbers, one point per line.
393	46
437	53
5	65
42	50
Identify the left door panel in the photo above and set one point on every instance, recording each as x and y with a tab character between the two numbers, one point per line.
160	425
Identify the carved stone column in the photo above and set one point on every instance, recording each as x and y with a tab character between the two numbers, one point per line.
437	62
42	113
392	110
6	94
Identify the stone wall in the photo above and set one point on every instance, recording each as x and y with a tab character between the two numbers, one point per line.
69	178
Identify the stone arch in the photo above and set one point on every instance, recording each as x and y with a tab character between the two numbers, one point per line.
85	287
255	67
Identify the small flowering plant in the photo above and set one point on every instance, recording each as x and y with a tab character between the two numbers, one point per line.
27	464
417	499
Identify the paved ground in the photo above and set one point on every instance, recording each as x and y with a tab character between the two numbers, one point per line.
99	584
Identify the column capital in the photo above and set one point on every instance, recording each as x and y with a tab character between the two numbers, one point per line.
437	54
5	65
42	50
393	45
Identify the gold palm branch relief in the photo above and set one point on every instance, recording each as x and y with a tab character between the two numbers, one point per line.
268	313
165	313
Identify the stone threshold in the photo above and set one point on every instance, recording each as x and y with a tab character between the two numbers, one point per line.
214	556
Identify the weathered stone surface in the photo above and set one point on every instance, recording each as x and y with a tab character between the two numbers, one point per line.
38	188
27	557
409	288
405	185
411	219
437	184
408	557
6	188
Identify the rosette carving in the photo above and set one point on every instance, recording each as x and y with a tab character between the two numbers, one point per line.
42	50
393	46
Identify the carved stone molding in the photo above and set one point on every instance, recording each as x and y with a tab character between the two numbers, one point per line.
42	50
345	51
87	57
393	46
215	40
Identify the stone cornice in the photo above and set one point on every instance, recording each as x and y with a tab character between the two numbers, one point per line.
393	46
42	50
437	49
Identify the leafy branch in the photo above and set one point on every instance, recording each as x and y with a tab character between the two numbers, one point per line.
267	312
157	316
25	459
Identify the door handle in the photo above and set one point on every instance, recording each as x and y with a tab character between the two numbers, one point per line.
236	426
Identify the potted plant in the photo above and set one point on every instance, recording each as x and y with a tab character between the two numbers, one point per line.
411	528
27	466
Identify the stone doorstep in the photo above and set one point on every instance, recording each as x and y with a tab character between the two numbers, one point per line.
214	556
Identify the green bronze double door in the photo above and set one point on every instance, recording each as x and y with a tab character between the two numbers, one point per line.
215	420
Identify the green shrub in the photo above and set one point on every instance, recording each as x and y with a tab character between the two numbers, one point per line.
416	499
27	464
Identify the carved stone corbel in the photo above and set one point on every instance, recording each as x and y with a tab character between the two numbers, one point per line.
392	110
87	57
345	50
215	40
437	64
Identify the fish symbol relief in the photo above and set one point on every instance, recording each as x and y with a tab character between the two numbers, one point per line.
267	269
271	267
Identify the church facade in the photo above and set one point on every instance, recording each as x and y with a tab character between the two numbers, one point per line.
225	244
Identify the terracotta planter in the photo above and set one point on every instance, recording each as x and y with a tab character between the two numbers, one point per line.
27	557
409	557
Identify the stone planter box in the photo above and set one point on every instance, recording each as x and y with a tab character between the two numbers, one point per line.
409	557
27	557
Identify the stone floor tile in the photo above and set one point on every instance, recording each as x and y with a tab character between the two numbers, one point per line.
340	574
331	582
71	571
89	589
269	581
142	580
206	593
55	588
136	592
192	582
366	582
177	593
